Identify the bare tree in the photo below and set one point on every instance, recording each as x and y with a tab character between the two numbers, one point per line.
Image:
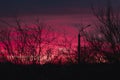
94	51
66	49
109	28
28	43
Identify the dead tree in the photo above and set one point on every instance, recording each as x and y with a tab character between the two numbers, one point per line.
110	28
28	43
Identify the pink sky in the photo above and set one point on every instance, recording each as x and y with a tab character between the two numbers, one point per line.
61	23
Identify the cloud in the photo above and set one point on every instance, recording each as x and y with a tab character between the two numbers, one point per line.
28	7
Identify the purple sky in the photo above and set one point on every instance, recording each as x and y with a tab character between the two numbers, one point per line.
61	13
48	7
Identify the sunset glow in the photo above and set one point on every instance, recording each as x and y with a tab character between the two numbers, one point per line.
39	32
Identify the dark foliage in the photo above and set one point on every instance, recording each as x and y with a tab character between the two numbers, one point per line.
58	72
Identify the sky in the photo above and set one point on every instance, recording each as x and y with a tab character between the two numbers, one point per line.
62	13
48	7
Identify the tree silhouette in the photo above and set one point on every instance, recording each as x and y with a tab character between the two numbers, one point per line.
25	44
110	29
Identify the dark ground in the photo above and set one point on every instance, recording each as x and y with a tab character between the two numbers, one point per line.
10	71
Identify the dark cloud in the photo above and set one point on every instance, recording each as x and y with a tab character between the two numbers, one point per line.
25	7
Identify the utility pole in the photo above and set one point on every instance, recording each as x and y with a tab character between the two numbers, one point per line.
79	41
79	48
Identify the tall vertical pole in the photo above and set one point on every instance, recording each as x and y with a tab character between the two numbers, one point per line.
79	48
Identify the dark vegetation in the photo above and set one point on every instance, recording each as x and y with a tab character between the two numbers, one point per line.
11	71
